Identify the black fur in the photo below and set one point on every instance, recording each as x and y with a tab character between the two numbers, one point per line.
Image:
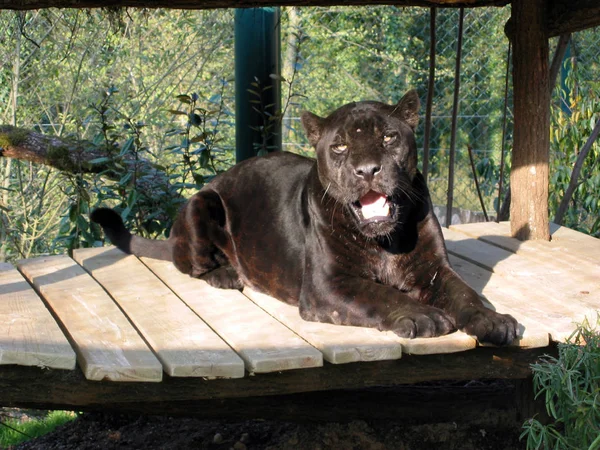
302	231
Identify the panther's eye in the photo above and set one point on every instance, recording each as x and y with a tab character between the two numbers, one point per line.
389	138
339	148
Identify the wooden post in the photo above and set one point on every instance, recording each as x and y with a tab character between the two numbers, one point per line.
530	158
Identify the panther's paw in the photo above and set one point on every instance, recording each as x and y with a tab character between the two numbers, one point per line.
224	277
421	321
488	326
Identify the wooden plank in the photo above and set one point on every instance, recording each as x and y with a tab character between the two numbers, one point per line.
183	343
29	335
573	237
575	281
264	343
553	287
573	242
499	235
344	344
569	246
511	299
107	346
546	269
559	257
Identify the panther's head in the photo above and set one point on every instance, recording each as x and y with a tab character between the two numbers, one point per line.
367	159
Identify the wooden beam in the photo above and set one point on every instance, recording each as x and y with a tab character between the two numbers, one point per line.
568	16
62	389
529	176
441	402
213	4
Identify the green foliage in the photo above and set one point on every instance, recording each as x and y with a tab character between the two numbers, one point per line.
58	59
271	122
147	207
200	139
570	385
13	431
571	128
377	53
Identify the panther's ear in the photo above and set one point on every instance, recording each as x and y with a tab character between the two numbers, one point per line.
407	108
313	125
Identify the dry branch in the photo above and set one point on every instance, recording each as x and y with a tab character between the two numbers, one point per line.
80	156
574	181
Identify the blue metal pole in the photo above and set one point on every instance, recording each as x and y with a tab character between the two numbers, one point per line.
565	91
257	81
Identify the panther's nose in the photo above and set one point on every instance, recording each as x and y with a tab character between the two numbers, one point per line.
367	171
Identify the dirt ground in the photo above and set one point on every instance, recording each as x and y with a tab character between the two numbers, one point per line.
476	428
98	431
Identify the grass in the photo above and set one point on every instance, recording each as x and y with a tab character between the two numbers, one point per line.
16	431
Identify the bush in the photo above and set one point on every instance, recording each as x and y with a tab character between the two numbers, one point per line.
571	387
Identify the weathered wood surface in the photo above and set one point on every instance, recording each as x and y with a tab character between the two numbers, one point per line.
572	248
29	335
30	386
107	346
532	282
338	344
480	403
536	279
183	343
341	344
191	325
567	16
264	343
507	299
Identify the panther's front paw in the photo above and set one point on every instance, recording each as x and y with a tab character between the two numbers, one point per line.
421	321
488	326
224	277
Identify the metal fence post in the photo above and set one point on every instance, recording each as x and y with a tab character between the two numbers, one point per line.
257	59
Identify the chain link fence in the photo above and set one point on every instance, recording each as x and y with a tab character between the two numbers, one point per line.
378	53
61	63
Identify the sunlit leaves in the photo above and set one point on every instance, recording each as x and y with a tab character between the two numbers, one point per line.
572	124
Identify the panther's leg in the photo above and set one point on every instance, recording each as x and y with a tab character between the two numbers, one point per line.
200	242
350	300
463	304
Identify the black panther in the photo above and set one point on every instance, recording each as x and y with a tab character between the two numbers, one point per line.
350	238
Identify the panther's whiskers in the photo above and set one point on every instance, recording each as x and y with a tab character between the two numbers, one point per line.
325	193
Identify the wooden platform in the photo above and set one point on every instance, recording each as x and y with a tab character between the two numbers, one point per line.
93	327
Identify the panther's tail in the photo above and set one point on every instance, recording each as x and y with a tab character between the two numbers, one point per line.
115	230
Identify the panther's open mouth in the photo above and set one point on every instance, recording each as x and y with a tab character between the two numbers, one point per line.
373	207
